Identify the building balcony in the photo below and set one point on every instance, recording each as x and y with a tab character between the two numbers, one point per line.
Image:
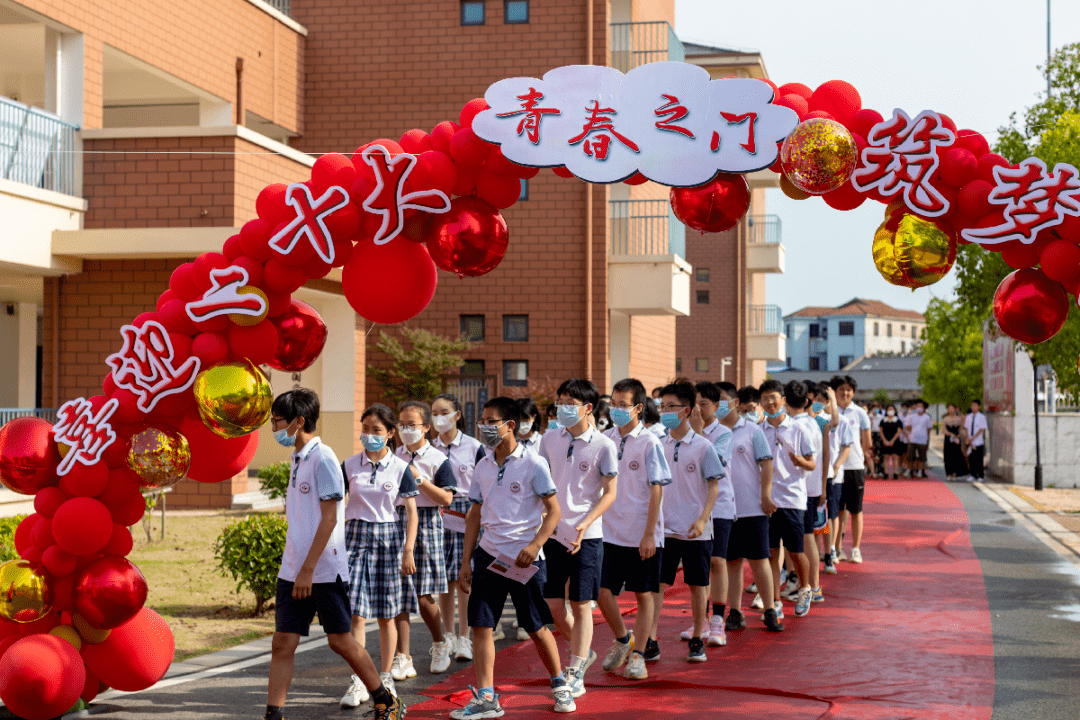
648	272
634	44
765	333
764	251
38	149
818	346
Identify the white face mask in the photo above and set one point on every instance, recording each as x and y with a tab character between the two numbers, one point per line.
443	423
890	412
525	429
411	436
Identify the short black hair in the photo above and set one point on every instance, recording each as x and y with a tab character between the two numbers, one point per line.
300	402
419	406
709	391
507	408
684	391
635	388
529	410
727	388
650	415
748	393
770	385
657	389
926	405
795	395
551	410
580	389
977	402
811	387
837	380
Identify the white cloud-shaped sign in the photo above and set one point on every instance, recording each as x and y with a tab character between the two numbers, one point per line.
668	120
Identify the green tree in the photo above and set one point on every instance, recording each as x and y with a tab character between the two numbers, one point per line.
416	371
881	395
951	368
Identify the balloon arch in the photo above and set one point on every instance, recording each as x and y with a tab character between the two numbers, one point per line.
185	394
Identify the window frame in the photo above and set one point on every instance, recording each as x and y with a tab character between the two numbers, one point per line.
698	294
814	330
506	12
698	272
815	364
481	363
464	317
507	319
678	365
850	324
482	4
523	193
699	362
515	383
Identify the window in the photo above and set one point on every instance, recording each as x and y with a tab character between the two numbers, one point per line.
472	12
914	333
702	297
888	329
472	328
473	368
903	346
524	194
787	333
875	329
701	365
515	328
515	372
847	328
845	360
788	363
516	12
678	365
815	363
902	329
701	274
815	330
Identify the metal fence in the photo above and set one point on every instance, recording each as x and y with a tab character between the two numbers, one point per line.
37	148
472	391
645	227
282	6
9	414
765	320
634	44
763	229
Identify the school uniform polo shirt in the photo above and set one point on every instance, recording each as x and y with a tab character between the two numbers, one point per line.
861	421
814	483
462	452
722	441
693	464
532	442
511	500
315	476
749	447
974	422
375	487
789	481
920	428
433	468
641	466
578	466
712	431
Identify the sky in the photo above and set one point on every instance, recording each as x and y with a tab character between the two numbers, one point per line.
977	62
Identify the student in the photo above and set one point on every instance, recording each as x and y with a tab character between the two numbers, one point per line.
634	529
314	568
918	426
601	416
529	433
890	432
806	418
435	480
974	434
650	416
462	452
514	504
851	494
793	455
380	554
703	420
840	438
584	466
550	412
748	404
905	443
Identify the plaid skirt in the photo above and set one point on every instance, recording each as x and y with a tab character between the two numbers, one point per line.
454	542
375	581
430	577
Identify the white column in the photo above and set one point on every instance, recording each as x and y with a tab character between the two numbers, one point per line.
620	345
339	355
27	354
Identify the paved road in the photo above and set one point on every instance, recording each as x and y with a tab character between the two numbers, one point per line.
1034	599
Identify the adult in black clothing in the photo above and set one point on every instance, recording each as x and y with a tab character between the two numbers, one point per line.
891	444
955	462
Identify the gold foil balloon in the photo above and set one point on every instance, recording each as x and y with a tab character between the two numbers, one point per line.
914	252
233	398
160	458
818	156
249	320
24	594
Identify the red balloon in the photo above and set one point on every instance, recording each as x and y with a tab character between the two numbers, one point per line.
210	348
24	533
838	98
120	543
958	167
467	148
715	206
415	141
158	304
971	141
1030	307
502	191
301	337
1060	261
973	198
173	315
947	121
82	526
122	482
330	170
497	162
255	236
109	592
472	108
389	283
254	270
43	536
799	89
57	561
466	178
85	480
470	239
214	458
562	172
257	342
1069	229
1017	255
206	262
48	500
270	205
182	284
128	510
135	655
987	163
434	171
28	455
636	179
281	277
91	687
442	134
845	197
41	677
794	102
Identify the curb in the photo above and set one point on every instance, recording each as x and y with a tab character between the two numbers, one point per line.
1053	534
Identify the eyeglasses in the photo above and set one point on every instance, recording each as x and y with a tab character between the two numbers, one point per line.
672	408
624	407
403	426
496	423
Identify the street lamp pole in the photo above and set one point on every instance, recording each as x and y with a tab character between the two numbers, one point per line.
1047	49
1035	387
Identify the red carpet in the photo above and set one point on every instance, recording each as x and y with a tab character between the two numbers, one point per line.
904	635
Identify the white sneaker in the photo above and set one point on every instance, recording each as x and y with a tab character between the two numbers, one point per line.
463	651
616	656
856	555
355	695
717	636
778	606
521	634
388	683
687	633
635	667
575	682
440	655
757	603
402	667
792	587
751	588
498	634
564	699
839	555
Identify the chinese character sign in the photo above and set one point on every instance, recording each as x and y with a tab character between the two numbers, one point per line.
146	365
1034	199
309	225
229	294
669	121
85	432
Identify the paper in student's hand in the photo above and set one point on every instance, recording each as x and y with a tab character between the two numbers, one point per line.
565	534
506	566
453	520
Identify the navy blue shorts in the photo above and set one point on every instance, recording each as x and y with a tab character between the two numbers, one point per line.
721	533
749	539
787	524
489	591
581	570
834	489
851	493
695	556
623	567
811	514
330	600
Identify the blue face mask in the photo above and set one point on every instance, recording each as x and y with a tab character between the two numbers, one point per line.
568	415
283	437
722	410
373	443
621	416
670	420
754	417
778	413
817	407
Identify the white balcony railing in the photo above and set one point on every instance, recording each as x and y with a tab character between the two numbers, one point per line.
634	44
646	227
37	148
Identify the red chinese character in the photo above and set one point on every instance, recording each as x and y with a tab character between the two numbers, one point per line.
672	112
903	156
225	296
87	434
599	122
533	115
1034	199
310	221
389	199
145	365
750	145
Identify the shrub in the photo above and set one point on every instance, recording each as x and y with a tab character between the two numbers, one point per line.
7	537
250	551
274	480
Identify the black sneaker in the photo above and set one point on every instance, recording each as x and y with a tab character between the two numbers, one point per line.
390	712
735	620
771	623
652	651
697	651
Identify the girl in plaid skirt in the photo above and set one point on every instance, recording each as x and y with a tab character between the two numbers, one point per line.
379	555
436	484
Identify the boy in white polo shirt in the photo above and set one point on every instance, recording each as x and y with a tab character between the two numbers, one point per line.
918	426
854	483
688	504
514	503
314	568
634	529
703	420
584	466
807	418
